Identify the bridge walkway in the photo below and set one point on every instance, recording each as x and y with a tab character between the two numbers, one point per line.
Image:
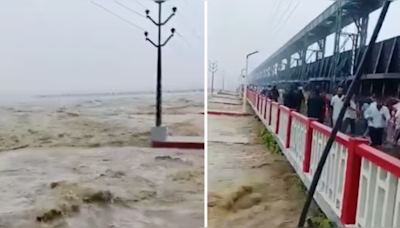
248	186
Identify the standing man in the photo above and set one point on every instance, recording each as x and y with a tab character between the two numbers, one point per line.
315	106
290	99
325	113
299	98
337	104
350	117
264	91
364	109
274	94
377	115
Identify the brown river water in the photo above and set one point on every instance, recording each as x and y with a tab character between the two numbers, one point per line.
86	162
248	186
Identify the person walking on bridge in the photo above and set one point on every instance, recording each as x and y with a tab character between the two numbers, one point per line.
350	117
377	115
299	98
274	94
315	106
264	91
290	98
337	104
364	109
325	113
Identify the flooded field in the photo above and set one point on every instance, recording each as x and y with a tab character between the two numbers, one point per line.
248	186
86	163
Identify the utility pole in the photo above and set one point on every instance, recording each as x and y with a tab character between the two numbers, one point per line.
213	68
159	24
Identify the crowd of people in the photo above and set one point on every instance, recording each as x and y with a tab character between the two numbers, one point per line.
367	117
371	112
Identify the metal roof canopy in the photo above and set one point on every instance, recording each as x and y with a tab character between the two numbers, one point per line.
323	25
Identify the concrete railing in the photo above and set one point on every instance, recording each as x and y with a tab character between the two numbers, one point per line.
359	185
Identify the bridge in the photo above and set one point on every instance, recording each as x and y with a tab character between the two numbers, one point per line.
359	185
297	62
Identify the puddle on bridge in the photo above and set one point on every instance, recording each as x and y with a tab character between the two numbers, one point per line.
248	186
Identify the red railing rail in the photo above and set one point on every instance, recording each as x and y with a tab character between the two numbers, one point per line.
385	161
325	130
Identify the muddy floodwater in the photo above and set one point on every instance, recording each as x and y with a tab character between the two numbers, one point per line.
248	186
86	162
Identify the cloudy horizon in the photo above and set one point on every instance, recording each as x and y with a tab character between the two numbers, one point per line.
75	46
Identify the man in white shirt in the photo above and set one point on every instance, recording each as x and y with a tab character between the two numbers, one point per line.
377	116
364	108
350	117
337	104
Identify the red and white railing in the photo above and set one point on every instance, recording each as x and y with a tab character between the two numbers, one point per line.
359	185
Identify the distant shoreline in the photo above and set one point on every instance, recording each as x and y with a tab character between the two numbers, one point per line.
117	93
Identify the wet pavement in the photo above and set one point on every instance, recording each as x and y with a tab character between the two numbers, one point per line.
248	186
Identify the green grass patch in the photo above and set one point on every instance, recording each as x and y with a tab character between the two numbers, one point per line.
269	141
319	219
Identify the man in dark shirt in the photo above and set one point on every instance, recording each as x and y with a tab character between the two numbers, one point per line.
299	99
290	98
274	94
264	91
315	106
327	105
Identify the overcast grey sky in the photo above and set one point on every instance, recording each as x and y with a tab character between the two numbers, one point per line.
241	27
54	46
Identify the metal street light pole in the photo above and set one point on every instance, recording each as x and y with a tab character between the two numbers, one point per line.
159	24
245	81
242	71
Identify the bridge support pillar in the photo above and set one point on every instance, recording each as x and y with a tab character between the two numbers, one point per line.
336	51
361	39
364	30
301	63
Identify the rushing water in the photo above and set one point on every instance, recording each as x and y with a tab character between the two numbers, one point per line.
247	185
85	162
